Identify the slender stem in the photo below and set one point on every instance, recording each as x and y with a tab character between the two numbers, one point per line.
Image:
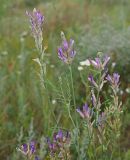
74	102
67	104
71	117
73	92
90	135
72	83
46	110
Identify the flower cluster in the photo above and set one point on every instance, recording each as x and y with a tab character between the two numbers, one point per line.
91	79
60	144
95	113
98	63
114	79
85	112
29	150
101	65
66	51
88	114
36	21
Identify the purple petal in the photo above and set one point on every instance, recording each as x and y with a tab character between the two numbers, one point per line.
59	135
90	78
71	43
25	148
85	107
32	147
54	137
52	146
116	77
38	16
109	78
106	60
96	63
86	110
60	53
65	45
72	53
80	112
97	60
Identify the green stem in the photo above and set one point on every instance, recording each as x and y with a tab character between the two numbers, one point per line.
74	102
71	117
72	83
67	104
73	92
46	110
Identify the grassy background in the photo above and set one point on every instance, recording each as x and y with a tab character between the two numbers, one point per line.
96	25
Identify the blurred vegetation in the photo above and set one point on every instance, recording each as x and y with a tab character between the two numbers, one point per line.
96	25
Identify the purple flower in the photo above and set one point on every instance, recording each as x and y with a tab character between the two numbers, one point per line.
80	112
66	51
59	135
98	63
36	20
106	60
36	23
114	79
28	149
60	139
32	147
91	79
25	148
52	146
85	112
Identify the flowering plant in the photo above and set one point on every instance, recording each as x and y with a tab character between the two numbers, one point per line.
95	131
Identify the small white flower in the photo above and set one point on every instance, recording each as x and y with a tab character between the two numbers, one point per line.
4	53
80	68
127	90
113	64
85	63
53	101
